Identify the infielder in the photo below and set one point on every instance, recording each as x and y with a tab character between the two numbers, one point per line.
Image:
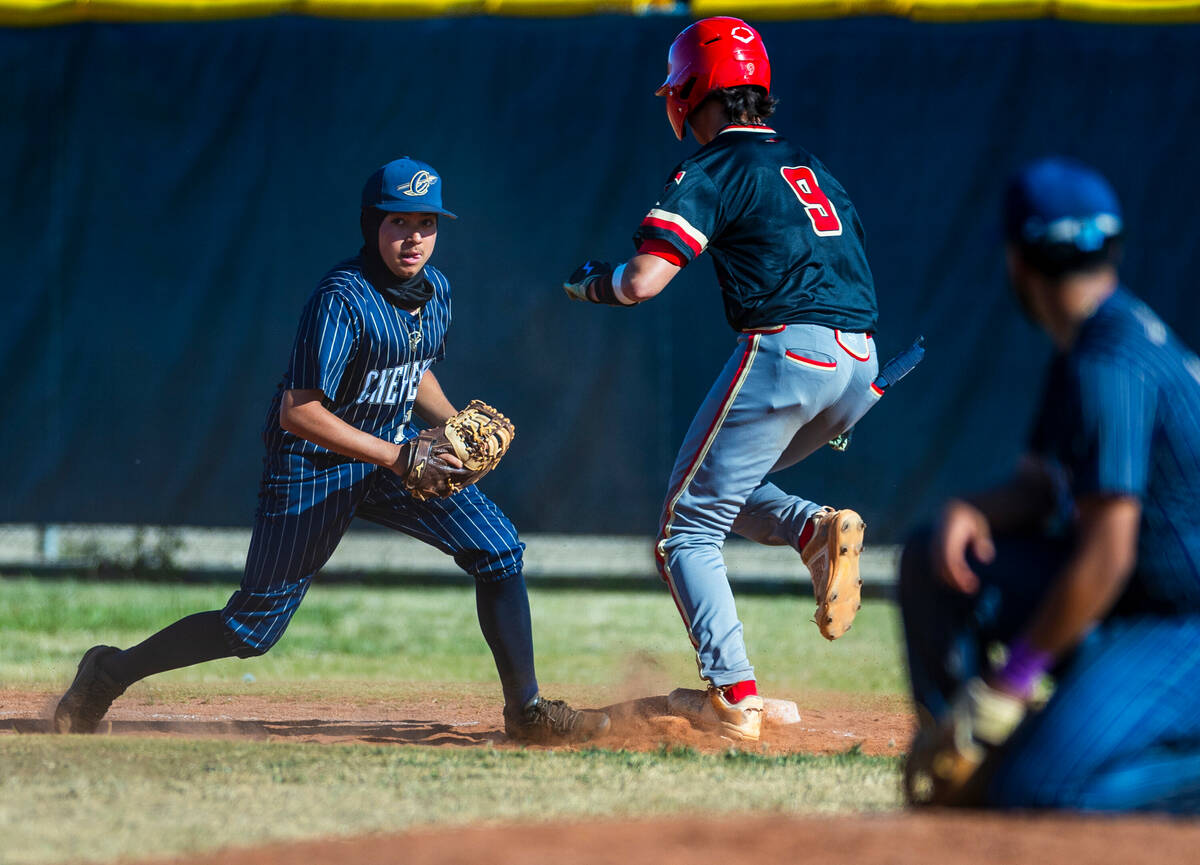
341	444
1086	564
787	245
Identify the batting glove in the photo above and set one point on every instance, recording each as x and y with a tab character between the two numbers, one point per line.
584	278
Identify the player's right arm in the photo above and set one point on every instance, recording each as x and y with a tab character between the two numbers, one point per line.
966	524
637	280
302	413
1023	502
671	235
328	336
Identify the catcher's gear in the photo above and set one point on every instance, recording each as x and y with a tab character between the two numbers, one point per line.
478	436
587	276
948	762
831	555
712	53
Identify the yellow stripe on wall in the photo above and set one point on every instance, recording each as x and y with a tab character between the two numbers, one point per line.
1116	11
50	12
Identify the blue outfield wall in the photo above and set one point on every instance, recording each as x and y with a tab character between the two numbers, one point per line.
173	192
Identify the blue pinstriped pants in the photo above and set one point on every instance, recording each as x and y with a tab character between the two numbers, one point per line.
1122	731
303	512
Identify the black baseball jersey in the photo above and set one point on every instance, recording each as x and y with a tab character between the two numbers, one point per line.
786	242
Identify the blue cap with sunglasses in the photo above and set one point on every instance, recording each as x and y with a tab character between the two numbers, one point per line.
1057	202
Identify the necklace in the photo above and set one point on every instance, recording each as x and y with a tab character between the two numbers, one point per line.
414	333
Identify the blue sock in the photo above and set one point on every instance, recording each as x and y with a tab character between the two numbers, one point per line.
503	609
194	639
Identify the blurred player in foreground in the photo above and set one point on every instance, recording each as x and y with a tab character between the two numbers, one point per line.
788	249
1085	565
341	444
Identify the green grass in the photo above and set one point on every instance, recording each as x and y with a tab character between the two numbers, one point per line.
379	635
99	799
95	799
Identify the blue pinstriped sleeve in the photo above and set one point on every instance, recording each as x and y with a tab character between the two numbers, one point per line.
443	311
325	342
1116	406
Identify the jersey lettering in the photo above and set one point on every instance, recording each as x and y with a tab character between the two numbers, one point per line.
821	212
390	399
396	385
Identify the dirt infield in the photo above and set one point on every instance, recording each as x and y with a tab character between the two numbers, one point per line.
876	725
902	839
830	723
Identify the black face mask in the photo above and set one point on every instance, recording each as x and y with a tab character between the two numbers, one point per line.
411	293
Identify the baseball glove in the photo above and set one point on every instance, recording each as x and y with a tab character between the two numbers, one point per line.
949	763
478	436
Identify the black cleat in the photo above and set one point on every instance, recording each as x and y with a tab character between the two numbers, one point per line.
553	722
90	695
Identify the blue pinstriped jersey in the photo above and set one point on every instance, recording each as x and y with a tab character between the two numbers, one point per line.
1121	416
366	355
786	241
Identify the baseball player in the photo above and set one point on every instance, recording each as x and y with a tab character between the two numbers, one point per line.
1086	564
787	246
339	436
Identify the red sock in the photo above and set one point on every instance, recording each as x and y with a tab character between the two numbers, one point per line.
806	533
735	693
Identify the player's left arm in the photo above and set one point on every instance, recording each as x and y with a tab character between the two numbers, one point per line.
1111	426
431	404
987	710
1086	588
1111	429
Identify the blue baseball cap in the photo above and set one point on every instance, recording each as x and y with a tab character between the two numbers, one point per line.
405	185
1060	202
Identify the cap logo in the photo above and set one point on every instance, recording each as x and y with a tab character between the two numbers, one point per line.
419	185
742	34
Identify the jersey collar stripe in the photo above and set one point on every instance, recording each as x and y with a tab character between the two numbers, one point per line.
762	130
679	226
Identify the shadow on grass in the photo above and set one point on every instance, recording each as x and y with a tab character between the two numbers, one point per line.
382	733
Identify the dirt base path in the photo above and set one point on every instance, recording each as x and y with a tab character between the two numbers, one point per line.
466	718
904	839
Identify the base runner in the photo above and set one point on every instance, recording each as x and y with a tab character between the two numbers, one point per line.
788	250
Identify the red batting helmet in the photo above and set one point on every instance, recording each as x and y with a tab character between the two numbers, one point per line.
715	52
